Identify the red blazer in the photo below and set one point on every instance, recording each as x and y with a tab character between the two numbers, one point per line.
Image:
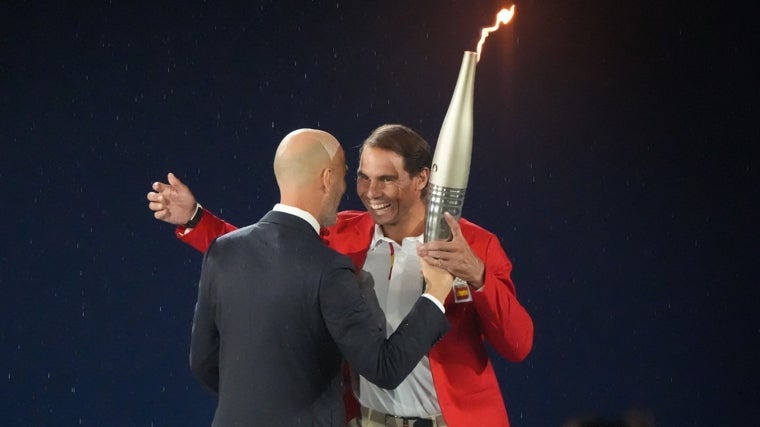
465	383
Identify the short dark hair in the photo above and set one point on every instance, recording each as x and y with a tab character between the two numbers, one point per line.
406	143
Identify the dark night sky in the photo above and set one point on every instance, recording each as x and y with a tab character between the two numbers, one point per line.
611	156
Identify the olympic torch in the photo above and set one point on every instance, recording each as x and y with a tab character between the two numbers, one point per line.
451	161
450	170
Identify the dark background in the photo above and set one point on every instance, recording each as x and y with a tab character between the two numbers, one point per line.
612	156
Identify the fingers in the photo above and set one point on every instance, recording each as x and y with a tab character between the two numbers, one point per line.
157	206
160	187
433	271
157	202
172	202
434	262
432	257
154	197
174	181
438	248
161	214
456	231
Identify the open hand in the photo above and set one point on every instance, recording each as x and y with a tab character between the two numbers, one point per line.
172	202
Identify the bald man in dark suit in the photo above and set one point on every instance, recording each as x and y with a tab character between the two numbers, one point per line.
278	311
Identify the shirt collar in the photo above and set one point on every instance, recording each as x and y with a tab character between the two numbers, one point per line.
299	213
378	237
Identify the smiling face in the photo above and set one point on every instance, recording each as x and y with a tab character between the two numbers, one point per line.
389	193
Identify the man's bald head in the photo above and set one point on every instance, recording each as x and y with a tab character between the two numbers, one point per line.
302	155
310	168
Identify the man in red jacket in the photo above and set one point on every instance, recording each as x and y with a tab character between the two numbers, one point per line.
455	385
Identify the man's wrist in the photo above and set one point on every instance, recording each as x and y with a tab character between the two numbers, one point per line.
196	218
478	285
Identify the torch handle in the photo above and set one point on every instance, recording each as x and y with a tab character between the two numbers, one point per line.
442	199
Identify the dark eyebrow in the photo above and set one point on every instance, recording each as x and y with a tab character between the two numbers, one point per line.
360	174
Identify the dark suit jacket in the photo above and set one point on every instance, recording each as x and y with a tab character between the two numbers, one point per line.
277	311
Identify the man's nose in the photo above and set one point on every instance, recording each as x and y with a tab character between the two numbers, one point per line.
374	188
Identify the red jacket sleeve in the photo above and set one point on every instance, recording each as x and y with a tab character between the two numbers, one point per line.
505	323
209	228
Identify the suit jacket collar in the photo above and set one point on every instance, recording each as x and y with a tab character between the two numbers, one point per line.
289	220
304	215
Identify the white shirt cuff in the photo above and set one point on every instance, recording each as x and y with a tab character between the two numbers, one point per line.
435	300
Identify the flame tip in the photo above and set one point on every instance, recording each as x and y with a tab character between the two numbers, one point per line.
502	17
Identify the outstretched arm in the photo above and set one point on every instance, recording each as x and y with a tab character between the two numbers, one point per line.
173	202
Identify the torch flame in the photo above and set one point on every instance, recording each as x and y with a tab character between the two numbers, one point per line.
503	17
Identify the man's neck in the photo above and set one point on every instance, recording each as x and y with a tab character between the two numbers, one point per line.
412	227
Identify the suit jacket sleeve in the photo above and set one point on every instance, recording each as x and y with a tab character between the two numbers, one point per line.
208	229
362	338
204	340
506	324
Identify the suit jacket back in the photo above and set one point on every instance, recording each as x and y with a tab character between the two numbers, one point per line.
276	312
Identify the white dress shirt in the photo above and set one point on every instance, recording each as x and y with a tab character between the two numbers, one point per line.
398	284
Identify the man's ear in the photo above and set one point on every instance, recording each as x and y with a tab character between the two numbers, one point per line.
327	177
422	178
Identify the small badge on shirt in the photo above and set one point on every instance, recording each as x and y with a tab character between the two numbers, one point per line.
462	291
